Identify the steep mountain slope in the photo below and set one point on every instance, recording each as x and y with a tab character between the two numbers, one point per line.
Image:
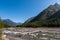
29	20
56	16
50	17
47	13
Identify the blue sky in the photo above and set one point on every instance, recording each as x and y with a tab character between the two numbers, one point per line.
21	10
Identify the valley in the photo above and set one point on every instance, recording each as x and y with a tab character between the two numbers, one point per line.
29	20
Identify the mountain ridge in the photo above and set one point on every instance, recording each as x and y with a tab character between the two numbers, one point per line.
49	17
51	10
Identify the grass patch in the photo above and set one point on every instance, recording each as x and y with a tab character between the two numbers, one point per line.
0	34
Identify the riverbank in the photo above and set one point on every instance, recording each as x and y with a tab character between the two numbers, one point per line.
32	33
0	34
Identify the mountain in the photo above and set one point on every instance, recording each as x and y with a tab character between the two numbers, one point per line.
47	13
19	23
10	23
29	20
50	17
2	25
56	16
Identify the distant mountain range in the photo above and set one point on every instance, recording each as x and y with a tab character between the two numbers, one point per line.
10	23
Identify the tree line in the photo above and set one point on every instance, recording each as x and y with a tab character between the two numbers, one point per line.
42	23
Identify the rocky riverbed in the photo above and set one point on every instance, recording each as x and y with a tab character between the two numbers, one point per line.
31	34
